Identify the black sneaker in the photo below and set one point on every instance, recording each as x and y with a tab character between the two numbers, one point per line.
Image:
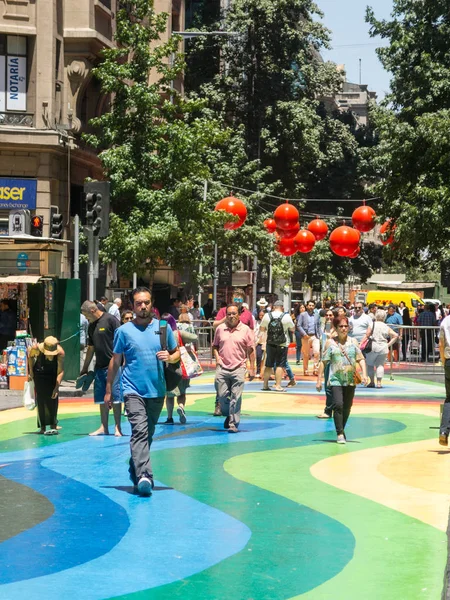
168	421
145	485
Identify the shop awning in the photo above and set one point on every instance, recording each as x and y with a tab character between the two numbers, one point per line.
20	279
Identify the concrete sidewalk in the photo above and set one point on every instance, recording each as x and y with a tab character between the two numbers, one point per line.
13	398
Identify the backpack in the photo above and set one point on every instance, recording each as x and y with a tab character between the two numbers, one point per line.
275	331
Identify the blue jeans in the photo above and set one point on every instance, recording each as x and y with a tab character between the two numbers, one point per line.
298	348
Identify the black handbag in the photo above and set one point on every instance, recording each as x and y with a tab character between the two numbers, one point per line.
172	371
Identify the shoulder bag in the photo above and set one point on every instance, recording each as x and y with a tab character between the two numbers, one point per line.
172	371
357	379
190	365
367	346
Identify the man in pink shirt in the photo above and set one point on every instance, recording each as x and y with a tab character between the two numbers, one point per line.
233	344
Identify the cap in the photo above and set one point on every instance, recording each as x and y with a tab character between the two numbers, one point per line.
279	303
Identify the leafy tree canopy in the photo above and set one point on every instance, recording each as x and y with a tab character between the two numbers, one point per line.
409	166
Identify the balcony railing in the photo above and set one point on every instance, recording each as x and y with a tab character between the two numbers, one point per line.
16	119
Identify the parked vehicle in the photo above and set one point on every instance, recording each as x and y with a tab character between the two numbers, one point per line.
386	297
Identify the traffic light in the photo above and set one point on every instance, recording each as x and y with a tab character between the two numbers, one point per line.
56	227
36	226
97	207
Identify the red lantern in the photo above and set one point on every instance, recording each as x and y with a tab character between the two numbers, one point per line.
318	228
233	206
355	253
270	225
344	240
286	246
363	218
289	233
387	231
304	241
286	216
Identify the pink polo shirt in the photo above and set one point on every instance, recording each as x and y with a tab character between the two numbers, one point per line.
233	344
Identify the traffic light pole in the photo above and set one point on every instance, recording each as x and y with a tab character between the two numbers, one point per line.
76	247
91	269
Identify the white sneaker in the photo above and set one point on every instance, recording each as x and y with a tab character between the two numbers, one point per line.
341	439
181	414
145	486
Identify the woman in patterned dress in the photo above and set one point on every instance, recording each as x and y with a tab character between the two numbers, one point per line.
343	354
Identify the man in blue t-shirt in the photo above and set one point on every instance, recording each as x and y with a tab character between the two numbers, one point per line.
394	319
144	386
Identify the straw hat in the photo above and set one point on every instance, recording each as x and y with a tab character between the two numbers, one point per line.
49	347
262	302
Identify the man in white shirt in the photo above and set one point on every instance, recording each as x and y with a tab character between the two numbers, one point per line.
359	323
114	310
279	326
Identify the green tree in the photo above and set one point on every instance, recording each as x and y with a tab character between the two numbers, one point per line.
272	82
155	146
409	166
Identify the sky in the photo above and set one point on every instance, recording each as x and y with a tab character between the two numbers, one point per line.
351	40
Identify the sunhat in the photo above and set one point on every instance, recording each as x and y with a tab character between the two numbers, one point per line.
49	346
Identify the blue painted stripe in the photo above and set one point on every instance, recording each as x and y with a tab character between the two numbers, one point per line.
61	542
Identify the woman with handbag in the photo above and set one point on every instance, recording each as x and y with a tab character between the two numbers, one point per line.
184	334
343	355
375	344
46	368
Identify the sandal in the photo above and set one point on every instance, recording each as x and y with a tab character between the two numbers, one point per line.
274	389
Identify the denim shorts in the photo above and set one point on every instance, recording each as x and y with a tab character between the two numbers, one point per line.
100	386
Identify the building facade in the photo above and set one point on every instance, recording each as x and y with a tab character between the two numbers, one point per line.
48	95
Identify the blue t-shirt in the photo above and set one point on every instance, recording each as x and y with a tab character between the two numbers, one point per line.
394	320
143	373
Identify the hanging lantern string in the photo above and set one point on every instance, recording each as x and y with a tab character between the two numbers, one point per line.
234	187
267	209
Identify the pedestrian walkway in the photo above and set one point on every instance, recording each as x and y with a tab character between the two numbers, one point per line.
277	511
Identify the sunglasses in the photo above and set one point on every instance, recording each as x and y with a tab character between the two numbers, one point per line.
329	316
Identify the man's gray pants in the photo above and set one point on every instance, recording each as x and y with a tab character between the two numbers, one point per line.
143	415
230	385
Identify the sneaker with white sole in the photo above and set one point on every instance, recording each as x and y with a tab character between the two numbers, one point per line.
181	414
341	439
292	383
145	485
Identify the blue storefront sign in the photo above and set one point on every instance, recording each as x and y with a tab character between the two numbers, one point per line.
22	262
17	194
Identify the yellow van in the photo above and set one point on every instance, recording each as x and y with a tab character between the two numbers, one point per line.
386	297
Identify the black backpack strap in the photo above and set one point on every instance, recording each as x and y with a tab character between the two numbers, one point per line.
270	317
163	333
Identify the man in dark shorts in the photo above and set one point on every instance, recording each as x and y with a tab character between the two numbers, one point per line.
279	326
144	385
100	342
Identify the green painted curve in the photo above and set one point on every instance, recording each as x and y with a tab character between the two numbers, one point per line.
292	548
396	556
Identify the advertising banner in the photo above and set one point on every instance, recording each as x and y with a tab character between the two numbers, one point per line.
16	83
17	194
2	84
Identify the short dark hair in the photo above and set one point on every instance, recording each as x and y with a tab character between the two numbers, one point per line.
140	290
103	298
233	304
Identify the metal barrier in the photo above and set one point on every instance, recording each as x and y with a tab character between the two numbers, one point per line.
417	351
205	334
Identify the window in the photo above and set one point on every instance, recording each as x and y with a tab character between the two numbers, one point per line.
13	73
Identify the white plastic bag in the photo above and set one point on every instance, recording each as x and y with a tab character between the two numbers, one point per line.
28	395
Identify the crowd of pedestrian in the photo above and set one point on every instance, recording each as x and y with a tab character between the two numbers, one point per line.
347	345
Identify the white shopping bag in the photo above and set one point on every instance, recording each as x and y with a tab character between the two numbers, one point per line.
28	395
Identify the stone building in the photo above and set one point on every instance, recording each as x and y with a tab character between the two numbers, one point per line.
48	95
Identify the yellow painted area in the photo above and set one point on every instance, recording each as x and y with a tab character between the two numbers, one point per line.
427	469
397	477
